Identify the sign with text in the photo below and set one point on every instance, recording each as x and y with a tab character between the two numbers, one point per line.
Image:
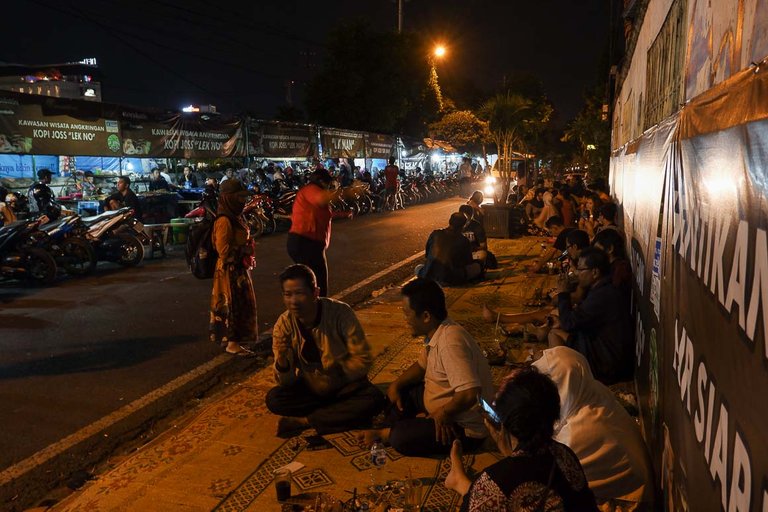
31	124
176	135
281	140
695	210
379	146
342	143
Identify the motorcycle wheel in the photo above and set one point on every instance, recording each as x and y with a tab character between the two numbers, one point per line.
40	266
80	258
255	225
365	205
270	226
131	250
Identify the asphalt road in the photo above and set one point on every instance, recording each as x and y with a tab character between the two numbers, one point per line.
75	352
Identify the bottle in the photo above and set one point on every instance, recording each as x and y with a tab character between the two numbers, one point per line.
378	460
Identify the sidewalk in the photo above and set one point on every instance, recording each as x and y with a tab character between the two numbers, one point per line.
221	456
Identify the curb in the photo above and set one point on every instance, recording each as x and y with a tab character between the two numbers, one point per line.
62	463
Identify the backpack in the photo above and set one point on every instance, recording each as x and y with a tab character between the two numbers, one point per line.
200	252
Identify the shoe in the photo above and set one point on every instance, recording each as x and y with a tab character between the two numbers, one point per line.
241	351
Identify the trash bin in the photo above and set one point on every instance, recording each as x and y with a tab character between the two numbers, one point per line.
180	230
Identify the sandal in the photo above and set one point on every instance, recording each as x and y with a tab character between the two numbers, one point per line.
242	351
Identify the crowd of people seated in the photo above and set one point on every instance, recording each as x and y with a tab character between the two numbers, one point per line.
567	443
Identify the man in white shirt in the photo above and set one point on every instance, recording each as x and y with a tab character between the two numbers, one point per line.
445	382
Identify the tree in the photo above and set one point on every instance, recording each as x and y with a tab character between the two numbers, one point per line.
463	130
289	113
378	81
590	130
514	122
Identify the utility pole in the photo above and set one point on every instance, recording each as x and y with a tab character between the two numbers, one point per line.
400	8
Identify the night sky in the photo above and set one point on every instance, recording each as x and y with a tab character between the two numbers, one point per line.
239	55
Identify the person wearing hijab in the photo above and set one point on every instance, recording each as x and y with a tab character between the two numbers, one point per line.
596	427
310	232
549	210
537	473
233	321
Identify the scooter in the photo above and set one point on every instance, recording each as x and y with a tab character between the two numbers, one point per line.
20	259
116	236
72	252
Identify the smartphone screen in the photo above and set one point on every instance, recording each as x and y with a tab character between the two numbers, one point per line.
489	411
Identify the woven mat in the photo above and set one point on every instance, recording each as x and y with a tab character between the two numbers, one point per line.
223	458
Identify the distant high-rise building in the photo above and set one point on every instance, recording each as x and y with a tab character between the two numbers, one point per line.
76	80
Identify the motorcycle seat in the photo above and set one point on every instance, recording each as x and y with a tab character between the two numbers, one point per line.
53	224
89	221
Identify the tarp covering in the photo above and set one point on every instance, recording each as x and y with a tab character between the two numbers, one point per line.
25	166
342	143
32	124
54	126
273	139
693	193
379	146
439	144
180	135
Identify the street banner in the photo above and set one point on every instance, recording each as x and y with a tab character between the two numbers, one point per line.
25	166
274	139
32	124
379	146
342	143
161	134
692	191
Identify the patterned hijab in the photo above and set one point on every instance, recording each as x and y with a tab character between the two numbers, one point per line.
232	200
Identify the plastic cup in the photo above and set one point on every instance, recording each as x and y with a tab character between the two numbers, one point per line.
282	484
413	491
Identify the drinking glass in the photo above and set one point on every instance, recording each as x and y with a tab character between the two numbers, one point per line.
282	484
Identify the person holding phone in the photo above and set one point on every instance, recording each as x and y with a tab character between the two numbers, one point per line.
435	400
537	470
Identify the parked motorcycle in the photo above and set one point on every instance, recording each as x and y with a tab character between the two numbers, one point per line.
116	236
71	251
20	259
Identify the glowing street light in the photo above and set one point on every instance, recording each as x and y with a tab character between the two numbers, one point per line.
439	51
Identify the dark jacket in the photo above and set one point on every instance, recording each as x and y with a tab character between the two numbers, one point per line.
131	200
601	329
448	254
192	181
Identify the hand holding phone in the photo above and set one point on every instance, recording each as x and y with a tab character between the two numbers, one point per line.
489	412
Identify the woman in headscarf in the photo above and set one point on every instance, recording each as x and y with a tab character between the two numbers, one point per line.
233	321
537	472
549	210
600	432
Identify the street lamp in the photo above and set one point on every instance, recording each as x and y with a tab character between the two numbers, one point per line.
438	52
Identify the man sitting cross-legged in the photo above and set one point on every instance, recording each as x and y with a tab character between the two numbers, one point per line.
449	255
599	327
321	362
433	401
576	240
